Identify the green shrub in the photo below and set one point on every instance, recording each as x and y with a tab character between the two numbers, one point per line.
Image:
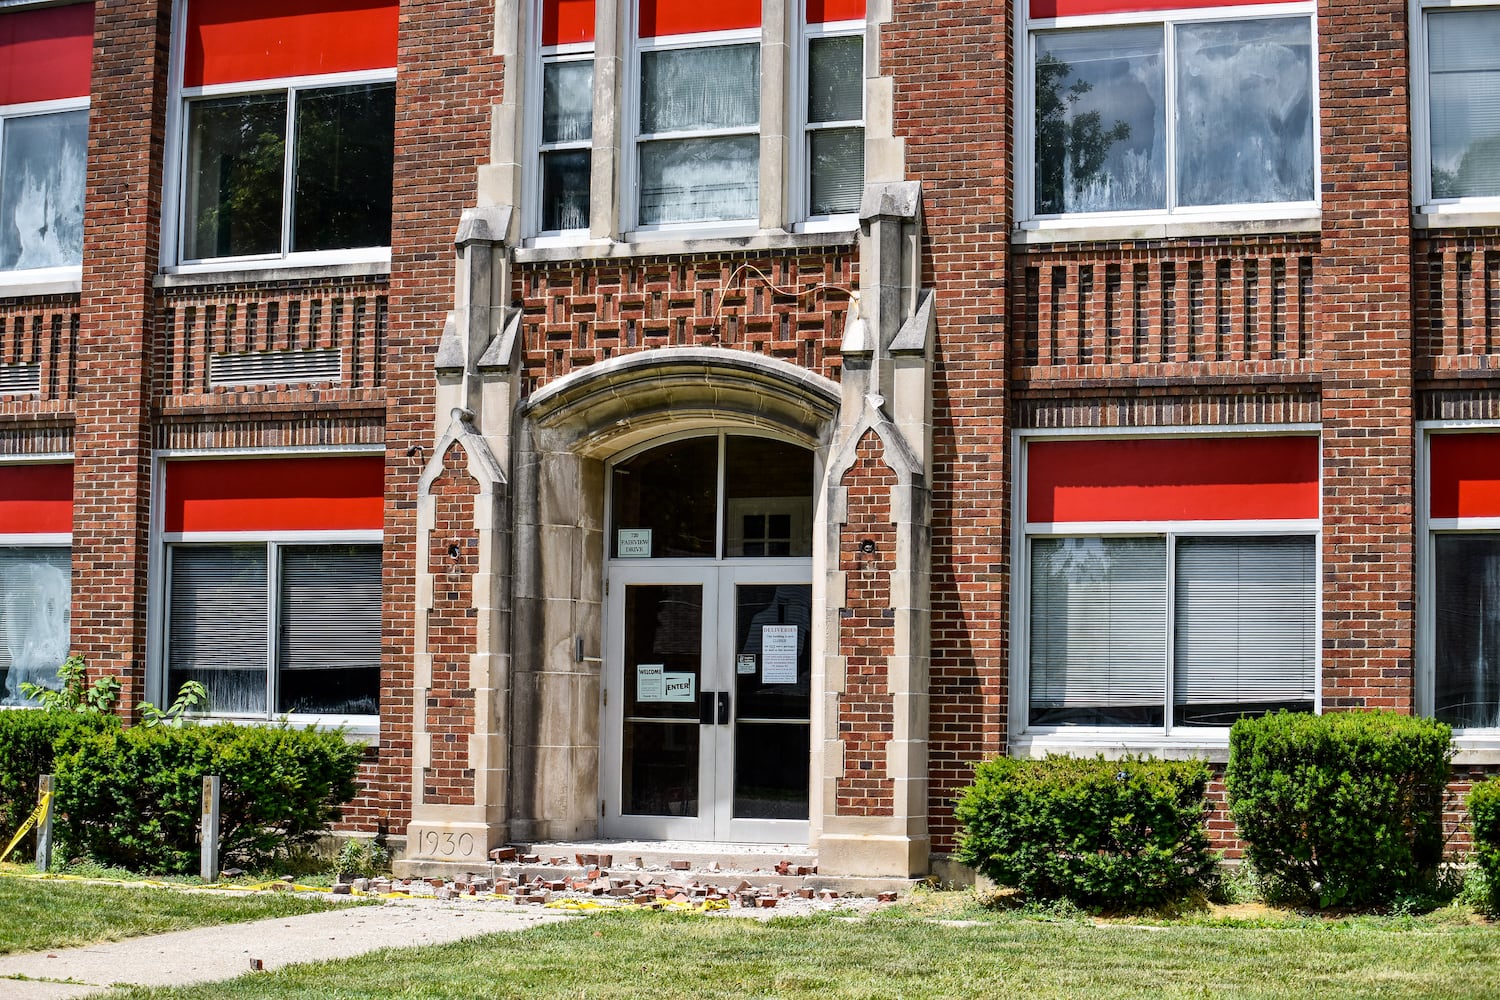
1114	833
1344	809
1484	815
27	742
132	798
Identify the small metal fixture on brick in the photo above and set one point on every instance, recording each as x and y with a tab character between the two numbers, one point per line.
20	380
276	367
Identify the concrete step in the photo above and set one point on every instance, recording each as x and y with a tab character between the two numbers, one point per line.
725	866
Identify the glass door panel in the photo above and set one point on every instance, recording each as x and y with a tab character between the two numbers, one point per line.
663	666
772	661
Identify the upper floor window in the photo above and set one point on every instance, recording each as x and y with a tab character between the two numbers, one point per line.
45	60
1457	143
694	140
286	132
1194	112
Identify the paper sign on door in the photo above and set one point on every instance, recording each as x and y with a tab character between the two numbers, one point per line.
654	683
778	654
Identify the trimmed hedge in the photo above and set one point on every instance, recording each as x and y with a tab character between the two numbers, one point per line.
1484	815
1343	809
1112	833
132	798
28	739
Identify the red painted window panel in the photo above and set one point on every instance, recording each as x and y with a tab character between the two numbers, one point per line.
36	499
1172	479
681	17
1464	475
233	41
567	22
823	11
1078	8
46	54
276	494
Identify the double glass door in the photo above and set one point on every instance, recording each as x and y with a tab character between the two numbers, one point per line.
706	703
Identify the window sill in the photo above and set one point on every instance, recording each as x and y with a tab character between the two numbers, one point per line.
1046	233
1479	219
664	246
21	285
1206	744
232	274
1477	749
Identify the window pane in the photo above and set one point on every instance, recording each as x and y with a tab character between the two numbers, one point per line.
1098	631
689	90
345	157
236	161
565	189
700	180
838	170
835	79
35	598
1463	51
41	190
671	491
216	629
1466	606
768	503
567	101
1100	120
1244	112
1245	628
328	652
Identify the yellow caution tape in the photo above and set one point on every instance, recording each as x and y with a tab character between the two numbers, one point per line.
37	815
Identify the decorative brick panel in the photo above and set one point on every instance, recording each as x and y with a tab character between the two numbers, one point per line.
1456	294
452	635
40	336
196	325
866	716
292	431
1164	311
1168	407
788	305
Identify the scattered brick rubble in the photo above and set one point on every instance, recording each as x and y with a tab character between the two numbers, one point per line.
589	881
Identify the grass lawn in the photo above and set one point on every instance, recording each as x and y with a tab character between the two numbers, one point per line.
904	953
46	914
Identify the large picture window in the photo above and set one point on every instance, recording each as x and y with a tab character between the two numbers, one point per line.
1168	584
1129	116
1458	57
276	629
35	602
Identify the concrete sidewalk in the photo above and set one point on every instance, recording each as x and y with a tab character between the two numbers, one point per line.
209	954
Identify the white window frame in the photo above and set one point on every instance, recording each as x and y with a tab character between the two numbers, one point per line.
1025	127
173	216
1429	210
542	56
69	275
1475	745
365	727
632	138
1026	739
799	197
38	540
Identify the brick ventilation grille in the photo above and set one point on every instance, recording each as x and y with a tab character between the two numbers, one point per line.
789	306
1163	312
38	339
275	367
1457	292
217	340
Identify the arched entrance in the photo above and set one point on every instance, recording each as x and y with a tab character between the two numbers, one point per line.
708	640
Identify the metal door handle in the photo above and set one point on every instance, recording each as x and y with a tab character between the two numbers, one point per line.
706	708
723	701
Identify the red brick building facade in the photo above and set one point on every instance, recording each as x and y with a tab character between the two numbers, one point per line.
727	422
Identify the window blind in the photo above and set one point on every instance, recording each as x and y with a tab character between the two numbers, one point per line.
216	624
330	607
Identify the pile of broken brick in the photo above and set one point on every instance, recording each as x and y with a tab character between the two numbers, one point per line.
595	882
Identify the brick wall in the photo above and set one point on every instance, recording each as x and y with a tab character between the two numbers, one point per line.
113	361
867	633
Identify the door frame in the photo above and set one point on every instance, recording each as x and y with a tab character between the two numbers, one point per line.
720	579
